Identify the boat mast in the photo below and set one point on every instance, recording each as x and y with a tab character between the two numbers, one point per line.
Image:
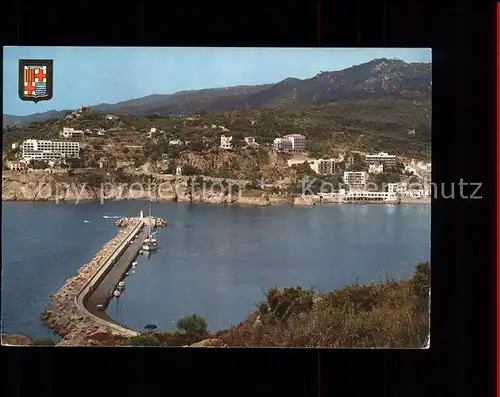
149	226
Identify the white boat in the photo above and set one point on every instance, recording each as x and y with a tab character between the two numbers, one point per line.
134	264
117	293
149	243
121	285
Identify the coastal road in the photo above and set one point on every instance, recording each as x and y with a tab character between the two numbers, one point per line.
100	295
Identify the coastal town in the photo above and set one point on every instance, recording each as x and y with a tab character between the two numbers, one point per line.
360	176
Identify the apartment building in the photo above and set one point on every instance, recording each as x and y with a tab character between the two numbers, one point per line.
298	142
34	149
226	142
381	158
283	144
323	166
68	132
355	179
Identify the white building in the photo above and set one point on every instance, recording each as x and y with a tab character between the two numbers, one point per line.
173	142
111	117
68	132
400	188
225	142
250	140
363	195
283	144
355	179
101	132
376	168
381	158
17	165
298	142
50	150
323	166
15	145
178	171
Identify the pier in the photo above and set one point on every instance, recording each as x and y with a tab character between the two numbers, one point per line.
97	291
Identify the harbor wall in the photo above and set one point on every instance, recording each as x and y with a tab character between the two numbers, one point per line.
65	312
83	296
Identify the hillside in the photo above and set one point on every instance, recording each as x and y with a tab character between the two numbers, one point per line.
374	79
397	125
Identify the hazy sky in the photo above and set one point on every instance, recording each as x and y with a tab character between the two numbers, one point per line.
93	75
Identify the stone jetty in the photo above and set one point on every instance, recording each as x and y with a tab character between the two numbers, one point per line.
63	314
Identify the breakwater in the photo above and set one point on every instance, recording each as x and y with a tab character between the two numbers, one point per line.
66	313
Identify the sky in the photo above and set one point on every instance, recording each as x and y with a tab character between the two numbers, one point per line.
94	75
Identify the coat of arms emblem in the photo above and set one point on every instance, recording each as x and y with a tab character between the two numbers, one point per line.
35	79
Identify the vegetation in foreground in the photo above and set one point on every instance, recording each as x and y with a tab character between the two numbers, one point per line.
391	314
386	314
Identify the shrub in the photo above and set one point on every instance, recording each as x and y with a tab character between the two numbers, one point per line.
386	314
146	340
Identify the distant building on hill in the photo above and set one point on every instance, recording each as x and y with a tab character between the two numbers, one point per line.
381	158
283	144
226	142
69	132
298	142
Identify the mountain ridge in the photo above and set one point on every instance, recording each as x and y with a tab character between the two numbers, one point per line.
376	78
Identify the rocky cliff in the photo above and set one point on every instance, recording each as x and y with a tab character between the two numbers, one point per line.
51	187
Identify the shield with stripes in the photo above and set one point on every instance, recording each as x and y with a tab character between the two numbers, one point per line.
35	79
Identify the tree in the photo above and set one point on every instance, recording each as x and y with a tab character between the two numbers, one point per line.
150	327
194	327
75	163
38	164
148	340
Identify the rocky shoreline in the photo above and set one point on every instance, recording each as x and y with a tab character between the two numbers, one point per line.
62	313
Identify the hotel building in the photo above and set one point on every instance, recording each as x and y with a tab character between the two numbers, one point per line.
381	158
34	149
283	144
298	142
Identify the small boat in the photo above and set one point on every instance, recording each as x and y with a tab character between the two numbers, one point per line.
127	274
134	264
86	221
117	293
121	285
